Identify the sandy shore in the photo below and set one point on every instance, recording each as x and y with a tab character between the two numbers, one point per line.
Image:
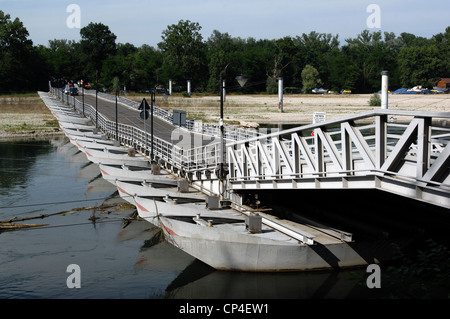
297	109
26	117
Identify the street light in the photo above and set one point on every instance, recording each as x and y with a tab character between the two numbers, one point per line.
117	119
242	79
152	101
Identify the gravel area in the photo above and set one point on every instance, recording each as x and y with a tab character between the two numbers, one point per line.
297	109
25	117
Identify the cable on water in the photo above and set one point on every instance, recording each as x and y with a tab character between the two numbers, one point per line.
12	225
111	220
56	203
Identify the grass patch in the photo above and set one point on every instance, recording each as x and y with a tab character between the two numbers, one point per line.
25	113
23	106
20	95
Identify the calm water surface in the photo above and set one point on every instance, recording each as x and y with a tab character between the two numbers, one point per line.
50	176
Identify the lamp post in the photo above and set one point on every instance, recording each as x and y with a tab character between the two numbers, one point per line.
96	108
82	92
117	120
152	101
96	98
242	79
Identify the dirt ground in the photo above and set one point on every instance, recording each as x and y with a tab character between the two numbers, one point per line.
25	116
297	109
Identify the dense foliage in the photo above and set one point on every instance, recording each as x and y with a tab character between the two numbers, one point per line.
303	61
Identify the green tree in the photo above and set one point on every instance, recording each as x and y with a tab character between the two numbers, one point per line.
371	53
343	72
120	65
286	61
256	58
420	65
97	44
147	64
314	47
183	53
221	50
64	57
442	41
16	55
310	78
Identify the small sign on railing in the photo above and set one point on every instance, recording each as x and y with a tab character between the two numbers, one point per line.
319	117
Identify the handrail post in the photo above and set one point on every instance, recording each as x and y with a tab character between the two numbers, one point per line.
380	139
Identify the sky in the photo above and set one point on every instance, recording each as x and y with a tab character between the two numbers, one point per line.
142	22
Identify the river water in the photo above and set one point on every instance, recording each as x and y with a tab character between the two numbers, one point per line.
115	259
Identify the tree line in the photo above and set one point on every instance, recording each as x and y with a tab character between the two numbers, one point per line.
304	61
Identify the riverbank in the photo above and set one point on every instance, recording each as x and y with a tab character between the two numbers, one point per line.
26	116
297	109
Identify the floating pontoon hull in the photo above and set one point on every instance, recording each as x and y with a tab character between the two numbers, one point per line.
240	251
124	172
102	157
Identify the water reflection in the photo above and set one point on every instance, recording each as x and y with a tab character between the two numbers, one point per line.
17	158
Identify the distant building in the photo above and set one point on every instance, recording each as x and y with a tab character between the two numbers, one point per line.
444	83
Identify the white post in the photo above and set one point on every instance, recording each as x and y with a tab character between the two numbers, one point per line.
280	94
170	87
189	87
384	89
224	91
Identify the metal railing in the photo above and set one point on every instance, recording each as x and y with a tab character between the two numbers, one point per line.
409	156
232	133
183	158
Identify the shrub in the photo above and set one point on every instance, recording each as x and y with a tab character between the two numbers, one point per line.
375	100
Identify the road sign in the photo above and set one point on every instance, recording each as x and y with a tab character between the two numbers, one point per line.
144	105
144	114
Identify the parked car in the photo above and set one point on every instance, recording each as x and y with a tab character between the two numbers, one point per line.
73	91
159	90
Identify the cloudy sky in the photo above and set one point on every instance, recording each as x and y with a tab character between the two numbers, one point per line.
142	22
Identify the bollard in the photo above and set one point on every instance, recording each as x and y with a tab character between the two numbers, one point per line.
280	94
155	169
384	89
183	186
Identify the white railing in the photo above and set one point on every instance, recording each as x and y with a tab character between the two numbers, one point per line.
183	158
409	156
231	133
